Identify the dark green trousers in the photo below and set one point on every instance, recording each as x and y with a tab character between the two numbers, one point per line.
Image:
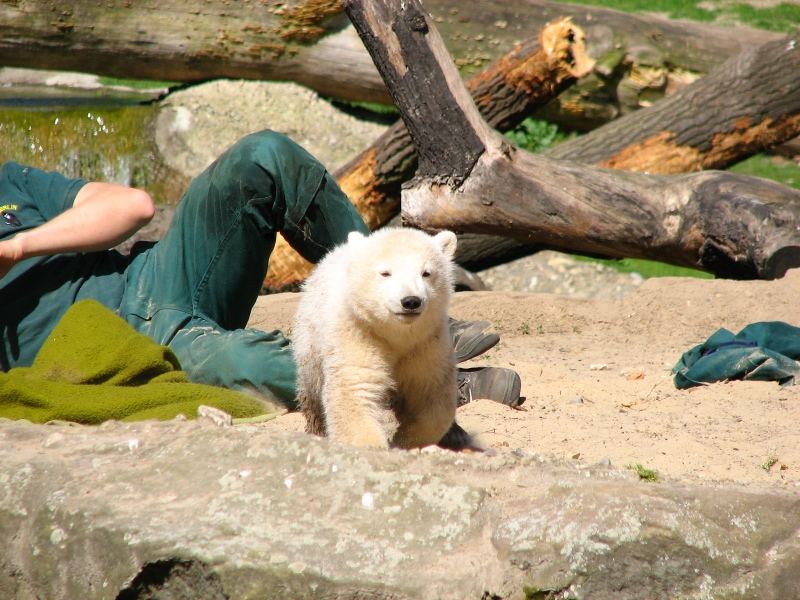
195	288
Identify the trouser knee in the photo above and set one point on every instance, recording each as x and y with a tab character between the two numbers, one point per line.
270	169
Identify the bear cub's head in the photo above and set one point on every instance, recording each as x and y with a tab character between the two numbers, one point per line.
402	276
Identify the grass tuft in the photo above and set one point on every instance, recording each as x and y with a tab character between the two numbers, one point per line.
643	472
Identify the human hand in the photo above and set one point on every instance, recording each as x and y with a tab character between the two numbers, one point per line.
10	254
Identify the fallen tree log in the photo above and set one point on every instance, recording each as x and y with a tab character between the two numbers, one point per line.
311	42
470	179
306	41
531	74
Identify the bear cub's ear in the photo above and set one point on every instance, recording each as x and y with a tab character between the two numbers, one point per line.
446	240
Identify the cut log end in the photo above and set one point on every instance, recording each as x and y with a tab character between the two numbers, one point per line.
564	43
783	260
717	259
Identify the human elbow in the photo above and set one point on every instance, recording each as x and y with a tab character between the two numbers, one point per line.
141	206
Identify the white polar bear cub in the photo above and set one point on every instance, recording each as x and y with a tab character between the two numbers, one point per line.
375	363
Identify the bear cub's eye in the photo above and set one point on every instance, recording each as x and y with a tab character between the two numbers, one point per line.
386	273
426	273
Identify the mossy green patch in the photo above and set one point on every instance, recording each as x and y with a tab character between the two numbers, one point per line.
98	144
676	9
782	17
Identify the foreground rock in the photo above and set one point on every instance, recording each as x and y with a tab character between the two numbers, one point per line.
189	510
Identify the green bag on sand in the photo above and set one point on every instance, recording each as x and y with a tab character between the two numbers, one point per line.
95	367
764	351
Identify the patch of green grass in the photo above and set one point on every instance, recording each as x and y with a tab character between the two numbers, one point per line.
643	472
675	9
770	167
783	17
647	268
137	84
769	463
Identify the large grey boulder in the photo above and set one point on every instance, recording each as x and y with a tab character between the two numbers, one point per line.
196	125
190	510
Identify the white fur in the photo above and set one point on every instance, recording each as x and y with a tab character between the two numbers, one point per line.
372	372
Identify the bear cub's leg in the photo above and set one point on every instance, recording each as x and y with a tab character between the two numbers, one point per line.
356	405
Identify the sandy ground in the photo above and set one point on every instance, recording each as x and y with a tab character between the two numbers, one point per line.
597	378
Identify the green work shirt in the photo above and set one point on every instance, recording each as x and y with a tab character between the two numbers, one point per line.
38	291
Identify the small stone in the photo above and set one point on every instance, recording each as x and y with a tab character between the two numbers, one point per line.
367	500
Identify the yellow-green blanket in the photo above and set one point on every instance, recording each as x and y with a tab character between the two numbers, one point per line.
95	367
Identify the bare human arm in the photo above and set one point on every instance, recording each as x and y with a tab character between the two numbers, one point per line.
102	216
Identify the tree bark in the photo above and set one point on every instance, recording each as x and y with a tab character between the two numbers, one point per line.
470	179
531	74
311	42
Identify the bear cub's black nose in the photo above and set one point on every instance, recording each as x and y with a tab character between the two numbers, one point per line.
411	302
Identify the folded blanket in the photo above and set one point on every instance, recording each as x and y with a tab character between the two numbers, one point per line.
764	351
95	367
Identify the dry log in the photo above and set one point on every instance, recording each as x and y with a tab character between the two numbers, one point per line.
531	74
470	179
311	42
305	41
